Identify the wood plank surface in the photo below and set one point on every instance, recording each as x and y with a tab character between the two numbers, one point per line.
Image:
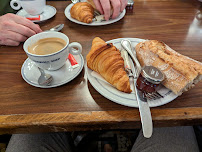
96	120
77	105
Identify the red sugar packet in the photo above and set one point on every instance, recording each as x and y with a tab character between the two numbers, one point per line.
73	61
34	18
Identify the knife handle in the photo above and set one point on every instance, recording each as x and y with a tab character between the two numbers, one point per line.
124	55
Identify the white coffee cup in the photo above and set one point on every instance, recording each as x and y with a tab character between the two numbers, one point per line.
55	60
32	7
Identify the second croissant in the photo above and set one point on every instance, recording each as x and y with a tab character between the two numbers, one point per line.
83	12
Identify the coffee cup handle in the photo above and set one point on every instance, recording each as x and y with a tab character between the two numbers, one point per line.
199	15
14	6
72	47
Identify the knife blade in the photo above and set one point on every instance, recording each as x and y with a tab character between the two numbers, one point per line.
144	109
145	113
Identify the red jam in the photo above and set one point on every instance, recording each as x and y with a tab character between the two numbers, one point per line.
145	86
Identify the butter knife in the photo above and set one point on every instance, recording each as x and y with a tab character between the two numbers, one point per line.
145	113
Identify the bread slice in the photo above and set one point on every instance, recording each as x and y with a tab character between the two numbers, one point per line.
181	72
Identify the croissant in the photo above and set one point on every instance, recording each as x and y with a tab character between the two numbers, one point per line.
82	11
106	60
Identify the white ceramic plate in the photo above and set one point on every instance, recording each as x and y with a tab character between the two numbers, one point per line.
49	12
111	93
30	73
94	23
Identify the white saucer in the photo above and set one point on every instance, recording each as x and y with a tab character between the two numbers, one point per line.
49	12
30	73
94	23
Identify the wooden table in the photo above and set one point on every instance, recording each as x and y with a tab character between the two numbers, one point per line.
77	105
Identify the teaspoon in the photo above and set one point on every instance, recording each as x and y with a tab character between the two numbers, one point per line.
75	1
57	28
44	79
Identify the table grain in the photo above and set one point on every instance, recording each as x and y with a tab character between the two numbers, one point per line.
77	106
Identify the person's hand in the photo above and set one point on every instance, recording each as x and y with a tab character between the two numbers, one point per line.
15	29
104	7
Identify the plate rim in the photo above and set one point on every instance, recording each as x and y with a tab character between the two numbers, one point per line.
35	21
66	12
52	86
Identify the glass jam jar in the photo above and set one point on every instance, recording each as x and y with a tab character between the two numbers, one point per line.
149	79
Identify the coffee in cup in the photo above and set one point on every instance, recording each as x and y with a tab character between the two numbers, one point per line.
47	46
32	7
49	50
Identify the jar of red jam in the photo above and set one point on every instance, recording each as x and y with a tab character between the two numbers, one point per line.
149	79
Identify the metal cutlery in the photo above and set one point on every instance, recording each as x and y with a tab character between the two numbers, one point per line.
149	95
145	113
145	81
75	1
96	13
126	44
144	109
127	65
44	79
57	28
153	95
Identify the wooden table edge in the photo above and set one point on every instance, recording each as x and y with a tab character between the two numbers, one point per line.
96	120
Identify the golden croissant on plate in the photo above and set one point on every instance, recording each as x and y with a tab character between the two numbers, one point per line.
83	12
106	60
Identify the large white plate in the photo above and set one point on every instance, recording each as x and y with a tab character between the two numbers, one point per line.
111	93
31	73
49	12
94	23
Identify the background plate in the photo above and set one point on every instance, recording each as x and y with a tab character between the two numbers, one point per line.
68	15
49	12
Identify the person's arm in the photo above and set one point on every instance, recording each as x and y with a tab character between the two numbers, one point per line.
104	7
15	29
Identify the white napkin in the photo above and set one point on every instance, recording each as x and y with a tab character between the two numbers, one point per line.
99	77
163	90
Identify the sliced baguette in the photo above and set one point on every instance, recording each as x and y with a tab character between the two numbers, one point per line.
181	72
